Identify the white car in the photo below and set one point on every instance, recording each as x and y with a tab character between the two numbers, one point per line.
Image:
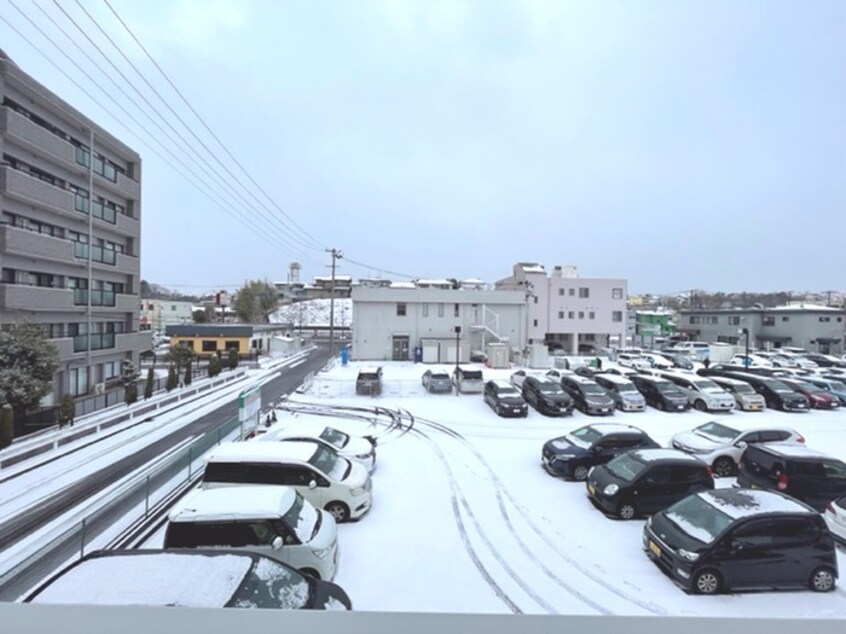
629	360
835	517
359	448
702	393
657	361
751	361
519	376
721	446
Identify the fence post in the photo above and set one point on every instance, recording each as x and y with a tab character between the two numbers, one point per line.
82	540
147	497
190	459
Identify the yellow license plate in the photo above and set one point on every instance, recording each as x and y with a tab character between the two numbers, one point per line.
654	548
591	489
752	485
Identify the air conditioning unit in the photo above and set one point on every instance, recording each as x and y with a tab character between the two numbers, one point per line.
99	388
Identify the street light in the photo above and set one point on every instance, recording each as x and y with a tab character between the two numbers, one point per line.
457	355
745	331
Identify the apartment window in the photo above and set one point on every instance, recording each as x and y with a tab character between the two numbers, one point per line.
768	321
41	279
560	314
425	310
591	315
7	276
734	320
839	319
616	293
455	311
785	318
571	292
584	292
440	310
209	346
229	345
110	370
561	291
535	323
825	318
617	315
78	381
401	309
581	314
571	315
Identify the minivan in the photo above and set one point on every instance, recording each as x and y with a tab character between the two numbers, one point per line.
698	350
797	470
702	393
732	539
469	380
776	394
660	393
327	480
589	396
745	396
622	391
262	518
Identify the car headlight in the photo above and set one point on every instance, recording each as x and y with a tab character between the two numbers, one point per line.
363	456
359	491
649	521
611	489
687	555
320	553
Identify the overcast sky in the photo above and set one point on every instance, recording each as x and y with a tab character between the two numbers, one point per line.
676	144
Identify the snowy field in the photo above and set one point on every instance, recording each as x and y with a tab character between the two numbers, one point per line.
465	519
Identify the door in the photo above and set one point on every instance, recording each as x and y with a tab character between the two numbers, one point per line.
654	487
750	557
400	348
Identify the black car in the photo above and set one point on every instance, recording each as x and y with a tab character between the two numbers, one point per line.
573	455
645	481
588	395
588	371
776	393
505	399
682	361
547	396
660	393
728	539
806	474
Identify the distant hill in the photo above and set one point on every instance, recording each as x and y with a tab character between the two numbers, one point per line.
314	312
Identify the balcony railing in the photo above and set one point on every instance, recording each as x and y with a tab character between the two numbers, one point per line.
98	254
101	341
98	297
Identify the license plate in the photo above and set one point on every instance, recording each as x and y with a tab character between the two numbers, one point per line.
680	407
591	489
603	410
654	548
752	485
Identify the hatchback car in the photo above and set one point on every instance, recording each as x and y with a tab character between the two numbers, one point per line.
661	393
745	397
722	446
776	393
547	397
505	399
589	396
732	539
702	393
519	376
817	397
644	481
359	448
624	393
571	456
201	577
437	381
828	384
808	475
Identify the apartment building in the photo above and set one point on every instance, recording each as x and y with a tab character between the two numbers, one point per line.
70	198
574	313
157	314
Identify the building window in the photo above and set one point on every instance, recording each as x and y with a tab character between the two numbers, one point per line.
571	292
571	315
617	315
78	381
229	345
440	310
785	318
734	320
616	293
560	314
425	310
455	311
584	292
825	318
581	314
536	323
401	309
768	321
209	346
561	291
591	315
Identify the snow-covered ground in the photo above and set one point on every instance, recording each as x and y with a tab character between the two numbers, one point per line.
468	522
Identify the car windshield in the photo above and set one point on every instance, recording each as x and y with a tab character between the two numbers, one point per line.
717	430
626	387
586	435
593	389
471	375
805	386
698	519
302	518
778	386
269	584
368	376
334	437
665	387
547	387
507	390
707	386
743	388
330	463
626	467
440	376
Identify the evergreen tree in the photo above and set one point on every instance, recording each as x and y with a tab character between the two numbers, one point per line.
189	373
7	426
232	361
255	301
172	379
215	365
148	386
131	392
67	410
27	364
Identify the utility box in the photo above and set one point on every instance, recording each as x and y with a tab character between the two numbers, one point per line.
497	355
538	356
447	351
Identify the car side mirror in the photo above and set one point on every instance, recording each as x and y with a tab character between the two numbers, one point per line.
598	449
741	444
312	485
277	543
736	545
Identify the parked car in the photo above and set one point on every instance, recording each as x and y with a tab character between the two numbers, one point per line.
797	359
751	360
621	371
775	392
702	393
722	446
572	456
320	475
629	360
624	393
832	386
369	381
519	376
657	361
732	539
359	448
745	397
835	518
199	578
547	396
505	399
589	396
557	373
469	379
437	380
824	360
660	393
587	371
697	350
801	472
264	518
677	359
644	481
817	397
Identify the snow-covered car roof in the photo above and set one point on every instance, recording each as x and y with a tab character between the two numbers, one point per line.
231	503
503	383
737	503
795	451
369	370
615	428
652	455
263	451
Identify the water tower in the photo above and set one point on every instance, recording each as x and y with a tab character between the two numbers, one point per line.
294	275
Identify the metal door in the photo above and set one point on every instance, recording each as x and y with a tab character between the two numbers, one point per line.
400	349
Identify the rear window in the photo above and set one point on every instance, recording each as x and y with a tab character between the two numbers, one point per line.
368	376
470	375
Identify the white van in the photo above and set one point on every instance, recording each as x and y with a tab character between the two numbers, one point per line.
327	480
274	518
469	380
698	350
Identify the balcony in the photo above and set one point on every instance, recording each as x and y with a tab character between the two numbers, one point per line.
34	137
98	254
19	241
100	341
36	298
99	297
31	191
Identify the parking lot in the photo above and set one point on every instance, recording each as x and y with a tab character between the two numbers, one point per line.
466	520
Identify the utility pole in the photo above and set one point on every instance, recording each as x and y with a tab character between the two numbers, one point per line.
336	255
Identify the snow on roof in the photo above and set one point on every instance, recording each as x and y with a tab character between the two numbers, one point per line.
615	378
651	455
795	451
504	383
262	451
533	268
231	503
159	579
614	428
737	503
402	285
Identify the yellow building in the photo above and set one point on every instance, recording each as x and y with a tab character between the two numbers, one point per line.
208	339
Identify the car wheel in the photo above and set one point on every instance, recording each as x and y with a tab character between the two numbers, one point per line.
580	473
700	405
660	406
311	572
723	467
626	510
338	510
498	410
707	582
822	579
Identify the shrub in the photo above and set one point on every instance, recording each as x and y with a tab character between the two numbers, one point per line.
189	373
215	365
233	359
67	411
7	426
172	379
131	392
148	386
